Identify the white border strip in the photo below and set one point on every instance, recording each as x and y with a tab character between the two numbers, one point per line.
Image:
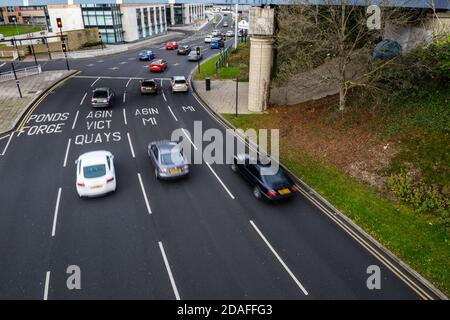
172	280
145	194
221	182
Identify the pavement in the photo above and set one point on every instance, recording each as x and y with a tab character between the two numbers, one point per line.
222	96
203	237
12	106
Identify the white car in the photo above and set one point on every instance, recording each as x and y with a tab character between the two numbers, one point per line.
179	84
229	33
208	39
95	173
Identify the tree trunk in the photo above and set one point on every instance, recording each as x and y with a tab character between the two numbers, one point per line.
342	98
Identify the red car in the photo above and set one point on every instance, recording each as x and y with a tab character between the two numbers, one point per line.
158	65
172	45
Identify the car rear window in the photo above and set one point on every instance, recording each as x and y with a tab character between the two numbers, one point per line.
100	94
148	84
95	171
180	81
172	158
273	179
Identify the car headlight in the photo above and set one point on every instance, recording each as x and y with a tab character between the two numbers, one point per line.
163	170
185	167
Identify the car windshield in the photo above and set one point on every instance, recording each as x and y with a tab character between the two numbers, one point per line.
95	171
100	94
273	179
148	84
172	158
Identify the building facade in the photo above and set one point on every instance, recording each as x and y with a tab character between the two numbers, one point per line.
107	18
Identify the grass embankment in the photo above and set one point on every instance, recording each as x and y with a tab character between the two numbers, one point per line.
419	124
238	62
10	30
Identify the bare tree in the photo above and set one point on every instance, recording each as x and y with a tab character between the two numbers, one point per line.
335	34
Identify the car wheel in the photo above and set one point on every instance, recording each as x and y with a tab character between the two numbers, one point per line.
156	174
234	167
257	193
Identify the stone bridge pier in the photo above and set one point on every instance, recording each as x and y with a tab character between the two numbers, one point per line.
261	29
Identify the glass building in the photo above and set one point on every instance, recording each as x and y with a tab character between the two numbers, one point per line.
105	17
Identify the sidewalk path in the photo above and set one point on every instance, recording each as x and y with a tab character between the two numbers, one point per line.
12	107
222	96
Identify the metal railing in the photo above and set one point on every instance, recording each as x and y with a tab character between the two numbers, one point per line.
20	73
223	59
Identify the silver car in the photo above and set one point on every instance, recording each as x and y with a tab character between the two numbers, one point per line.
168	159
179	84
193	56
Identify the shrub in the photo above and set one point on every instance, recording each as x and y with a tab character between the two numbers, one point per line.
422	197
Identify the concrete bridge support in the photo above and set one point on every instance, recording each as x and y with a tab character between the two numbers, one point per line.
261	28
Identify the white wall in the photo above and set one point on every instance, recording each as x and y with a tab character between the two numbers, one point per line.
129	24
70	16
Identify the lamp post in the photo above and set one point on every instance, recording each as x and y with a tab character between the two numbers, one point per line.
236	25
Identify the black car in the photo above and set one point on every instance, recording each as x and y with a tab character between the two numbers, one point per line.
102	97
184	50
265	183
149	86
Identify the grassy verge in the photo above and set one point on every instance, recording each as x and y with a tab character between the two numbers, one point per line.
237	65
415	238
10	30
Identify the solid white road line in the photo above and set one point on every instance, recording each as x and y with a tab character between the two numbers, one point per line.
221	182
4	137
169	271
67	152
161	82
128	82
279	258
145	195
47	281
95	82
7	144
75	120
187	136
164	96
55	215
1	65
124	117
124	95
82	100
170	109
131	145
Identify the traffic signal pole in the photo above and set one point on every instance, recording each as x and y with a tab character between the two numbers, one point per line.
63	44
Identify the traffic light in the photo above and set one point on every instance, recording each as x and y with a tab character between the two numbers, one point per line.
198	50
64	48
59	22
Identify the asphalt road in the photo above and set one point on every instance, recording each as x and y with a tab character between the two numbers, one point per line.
204	237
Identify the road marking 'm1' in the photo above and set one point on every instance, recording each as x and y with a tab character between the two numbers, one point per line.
169	271
145	195
67	153
55	216
131	145
279	258
47	281
221	182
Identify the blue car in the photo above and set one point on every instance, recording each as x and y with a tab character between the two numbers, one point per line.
387	49
216	44
146	55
